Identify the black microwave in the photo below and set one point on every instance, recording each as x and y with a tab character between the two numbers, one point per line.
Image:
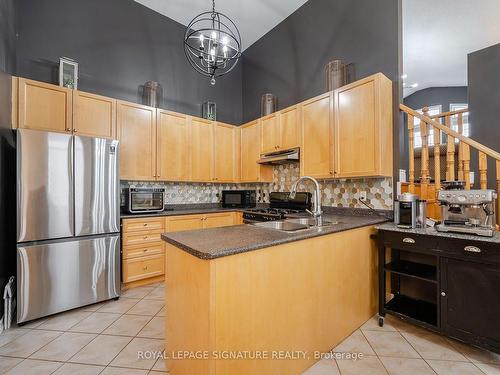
239	198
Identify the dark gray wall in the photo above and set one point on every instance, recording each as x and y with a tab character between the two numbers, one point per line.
7	151
289	61
120	45
484	101
437	95
7	36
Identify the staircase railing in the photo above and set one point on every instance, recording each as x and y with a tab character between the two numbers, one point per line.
460	162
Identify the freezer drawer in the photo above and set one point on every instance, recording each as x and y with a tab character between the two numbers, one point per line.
58	276
44	185
97	191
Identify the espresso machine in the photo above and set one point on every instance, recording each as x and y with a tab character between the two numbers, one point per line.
468	211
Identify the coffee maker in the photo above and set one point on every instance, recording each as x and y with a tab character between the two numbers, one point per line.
468	211
409	211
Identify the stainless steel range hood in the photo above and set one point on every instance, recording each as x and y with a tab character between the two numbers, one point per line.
280	157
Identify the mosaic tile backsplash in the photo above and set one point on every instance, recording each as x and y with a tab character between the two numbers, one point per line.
334	193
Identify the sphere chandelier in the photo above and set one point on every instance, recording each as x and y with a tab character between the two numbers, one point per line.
212	44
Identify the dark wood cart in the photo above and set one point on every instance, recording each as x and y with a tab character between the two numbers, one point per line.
447	285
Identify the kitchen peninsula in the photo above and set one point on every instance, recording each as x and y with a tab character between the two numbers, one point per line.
247	289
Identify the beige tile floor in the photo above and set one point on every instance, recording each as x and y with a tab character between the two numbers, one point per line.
105	338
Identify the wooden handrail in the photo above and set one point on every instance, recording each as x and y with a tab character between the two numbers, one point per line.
486	150
450	113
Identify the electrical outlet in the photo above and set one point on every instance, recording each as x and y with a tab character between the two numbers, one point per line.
362	196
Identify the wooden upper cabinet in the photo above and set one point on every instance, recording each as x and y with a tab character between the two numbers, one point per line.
316	154
136	126
250	139
202	149
363	128
289	127
270	129
225	169
172	135
94	115
42	106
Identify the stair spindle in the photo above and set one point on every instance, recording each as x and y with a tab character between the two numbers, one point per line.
460	149
424	171
450	152
437	159
411	154
466	161
483	170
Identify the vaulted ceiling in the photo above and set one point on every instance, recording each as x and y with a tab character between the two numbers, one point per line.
254	18
438	35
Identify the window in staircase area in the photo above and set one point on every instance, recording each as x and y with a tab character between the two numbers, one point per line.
465	119
433	110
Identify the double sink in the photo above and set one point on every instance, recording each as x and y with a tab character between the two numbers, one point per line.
295	224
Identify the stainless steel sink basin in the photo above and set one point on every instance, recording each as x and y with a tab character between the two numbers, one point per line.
283	225
291	225
311	222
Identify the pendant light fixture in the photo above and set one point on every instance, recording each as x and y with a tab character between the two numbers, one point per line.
212	44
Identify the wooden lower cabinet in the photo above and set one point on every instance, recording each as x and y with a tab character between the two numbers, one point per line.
202	221
269	300
184	222
143	250
219	220
143	267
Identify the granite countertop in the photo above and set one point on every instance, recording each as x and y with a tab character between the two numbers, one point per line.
433	232
220	242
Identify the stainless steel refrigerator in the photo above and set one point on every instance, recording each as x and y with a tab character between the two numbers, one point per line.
68	222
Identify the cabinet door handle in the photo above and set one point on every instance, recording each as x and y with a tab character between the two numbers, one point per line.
145	224
472	249
443	294
145	268
408	240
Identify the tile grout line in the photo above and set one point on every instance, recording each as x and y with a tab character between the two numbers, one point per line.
376	354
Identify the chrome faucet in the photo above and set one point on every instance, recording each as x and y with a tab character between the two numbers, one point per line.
316	209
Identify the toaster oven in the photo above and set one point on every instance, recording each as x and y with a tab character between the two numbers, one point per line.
145	199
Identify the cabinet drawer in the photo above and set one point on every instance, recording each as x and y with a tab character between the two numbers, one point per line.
409	241
143	267
480	251
140	251
142	238
147	223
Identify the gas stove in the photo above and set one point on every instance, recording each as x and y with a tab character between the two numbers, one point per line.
280	207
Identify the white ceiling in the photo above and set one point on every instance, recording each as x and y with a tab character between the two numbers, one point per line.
254	18
438	35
